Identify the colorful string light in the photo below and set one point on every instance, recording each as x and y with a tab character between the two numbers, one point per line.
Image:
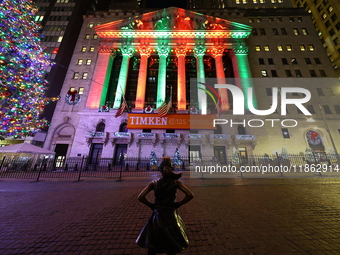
22	68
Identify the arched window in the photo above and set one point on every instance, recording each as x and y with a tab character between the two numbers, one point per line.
241	130
100	127
123	127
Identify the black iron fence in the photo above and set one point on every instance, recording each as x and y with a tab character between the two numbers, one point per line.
78	167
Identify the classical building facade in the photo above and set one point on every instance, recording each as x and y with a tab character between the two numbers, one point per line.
148	59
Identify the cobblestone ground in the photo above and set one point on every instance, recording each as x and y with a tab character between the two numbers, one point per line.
227	216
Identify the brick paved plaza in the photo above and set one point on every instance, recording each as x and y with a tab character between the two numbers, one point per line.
227	216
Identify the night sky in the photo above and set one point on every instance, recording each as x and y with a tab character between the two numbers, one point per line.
165	3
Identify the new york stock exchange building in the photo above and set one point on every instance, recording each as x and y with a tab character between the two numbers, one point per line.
141	82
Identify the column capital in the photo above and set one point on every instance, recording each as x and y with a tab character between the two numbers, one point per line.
127	50
240	48
217	51
145	50
200	50
163	50
181	51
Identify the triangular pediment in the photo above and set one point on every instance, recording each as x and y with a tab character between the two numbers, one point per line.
172	19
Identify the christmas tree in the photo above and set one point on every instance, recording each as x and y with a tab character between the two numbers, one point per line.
22	68
177	159
284	154
309	155
153	158
235	159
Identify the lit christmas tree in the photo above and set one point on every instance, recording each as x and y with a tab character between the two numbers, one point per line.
284	154
22	68
153	159
235	158
309	155
177	158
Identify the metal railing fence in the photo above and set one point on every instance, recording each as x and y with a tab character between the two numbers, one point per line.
77	167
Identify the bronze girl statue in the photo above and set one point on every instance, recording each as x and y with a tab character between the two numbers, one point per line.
165	231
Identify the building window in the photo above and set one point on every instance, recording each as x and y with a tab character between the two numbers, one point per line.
293	61
291	19
266	48
285	133
88	62
264	73
288	47
302	47
258	20
334	17
284	61
83	49
261	61
327	24
84	76
304	31
317	61
308	62
90	25
312	73
336	41
257	48
75	76
79	62
283	31
296	31
95	36
262	31
299	19
310	108
254	31
337	109
251	20
81	90
331	32
279	19
311	47
270	61
327	109
274	73
279	48
271	19
324	15
91	49
320	92
60	38
288	73
275	31
322	73
87	36
298	73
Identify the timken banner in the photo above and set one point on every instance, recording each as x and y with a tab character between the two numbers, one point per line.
170	121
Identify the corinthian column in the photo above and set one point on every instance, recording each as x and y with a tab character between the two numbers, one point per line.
239	58
163	51
127	53
217	53
144	52
181	80
199	52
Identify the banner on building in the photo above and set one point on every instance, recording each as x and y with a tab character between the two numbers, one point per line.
170	121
